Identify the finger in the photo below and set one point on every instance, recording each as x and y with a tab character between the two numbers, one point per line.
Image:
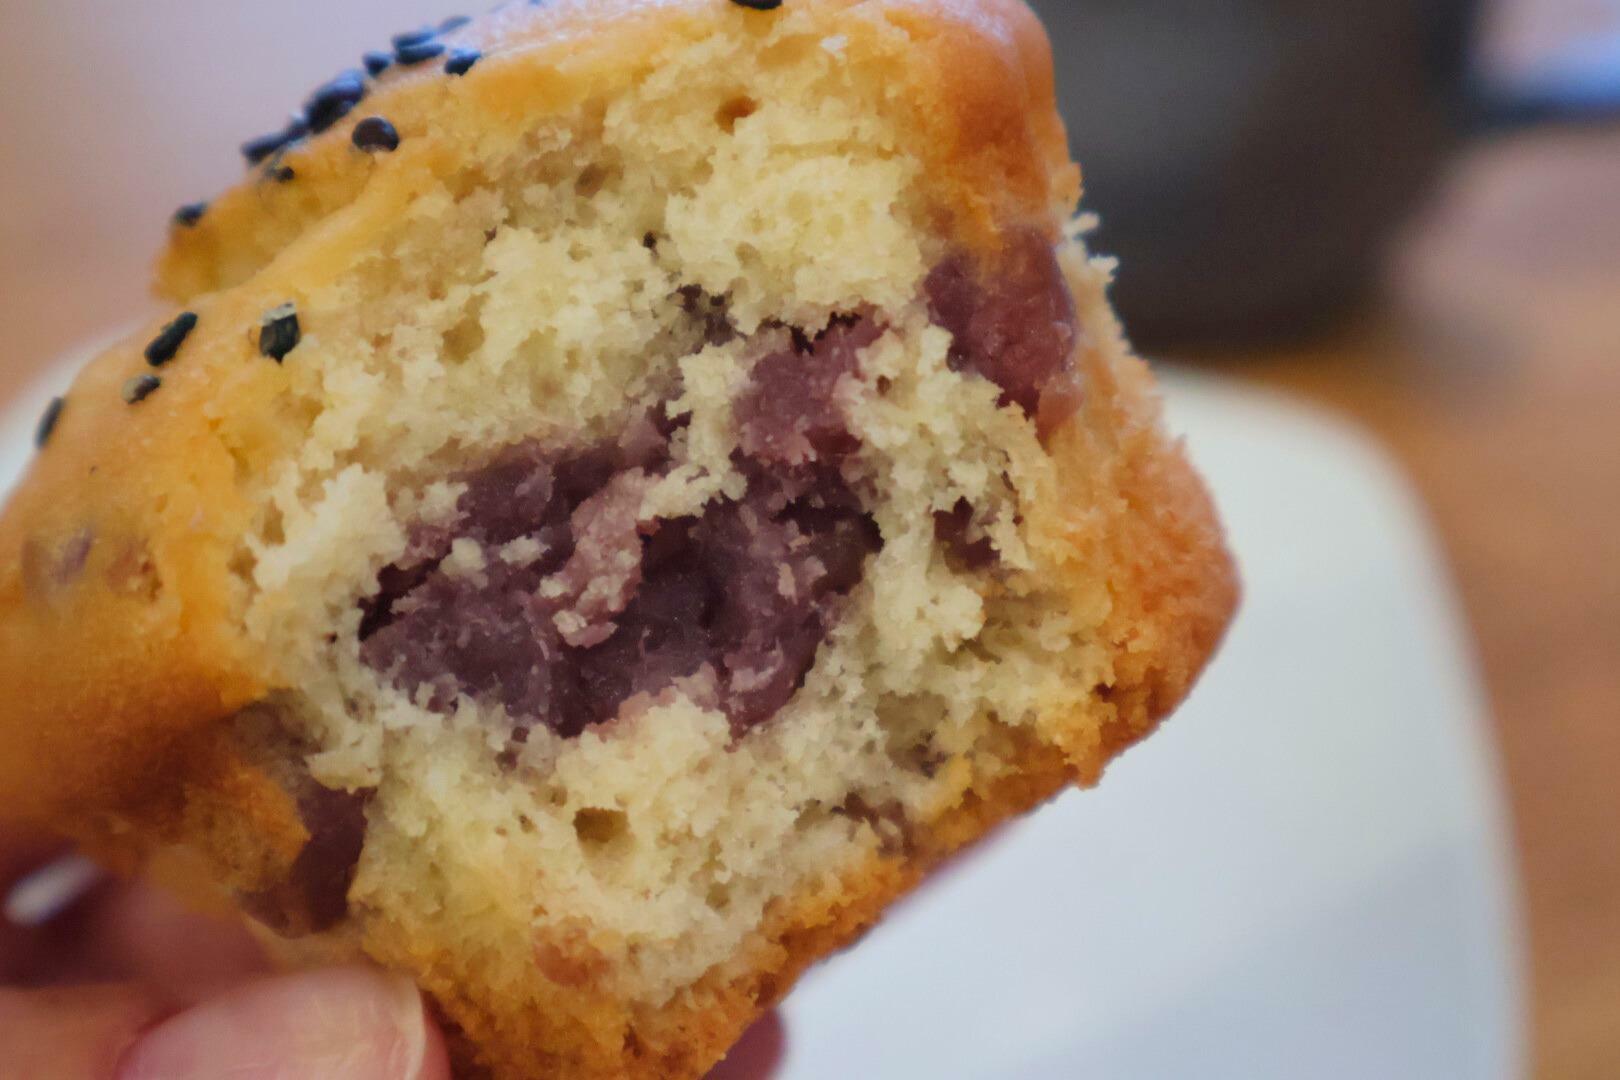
759	1053
130	932
140	933
341	1024
77	1034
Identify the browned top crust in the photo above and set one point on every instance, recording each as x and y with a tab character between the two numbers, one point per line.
120	617
972	77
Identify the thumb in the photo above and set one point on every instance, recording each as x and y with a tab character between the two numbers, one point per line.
348	1023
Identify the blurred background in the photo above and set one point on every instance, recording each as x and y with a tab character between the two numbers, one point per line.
1404	211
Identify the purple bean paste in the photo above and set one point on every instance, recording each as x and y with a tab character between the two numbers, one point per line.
580	605
1014	322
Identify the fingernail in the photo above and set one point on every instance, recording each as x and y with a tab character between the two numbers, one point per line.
347	1023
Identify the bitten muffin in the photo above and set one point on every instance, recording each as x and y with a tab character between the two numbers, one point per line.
627	487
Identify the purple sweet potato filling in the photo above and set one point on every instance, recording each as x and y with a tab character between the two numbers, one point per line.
1014	322
790	415
593	606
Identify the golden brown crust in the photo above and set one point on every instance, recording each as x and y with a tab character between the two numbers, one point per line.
1173	587
115	621
975	77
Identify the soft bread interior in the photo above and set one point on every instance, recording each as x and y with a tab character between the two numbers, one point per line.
543	296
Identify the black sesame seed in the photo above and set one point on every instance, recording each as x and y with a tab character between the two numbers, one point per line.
454	23
170	338
418	53
140	388
759	5
414	37
377	62
277	169
47	421
189	215
279	333
462	60
334	100
266	146
256	150
374	135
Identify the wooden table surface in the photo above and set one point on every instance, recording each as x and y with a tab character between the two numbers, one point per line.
1491	370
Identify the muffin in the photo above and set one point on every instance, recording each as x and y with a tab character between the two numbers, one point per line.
625	489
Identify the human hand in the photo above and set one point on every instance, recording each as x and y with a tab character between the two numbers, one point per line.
109	980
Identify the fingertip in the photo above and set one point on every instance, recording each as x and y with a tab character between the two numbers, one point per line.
349	1023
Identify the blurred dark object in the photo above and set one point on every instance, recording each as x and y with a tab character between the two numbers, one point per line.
1253	159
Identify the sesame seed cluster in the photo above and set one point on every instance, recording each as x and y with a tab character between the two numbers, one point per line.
339	96
278	335
330	103
280	332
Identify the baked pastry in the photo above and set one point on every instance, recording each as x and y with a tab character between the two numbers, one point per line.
626	489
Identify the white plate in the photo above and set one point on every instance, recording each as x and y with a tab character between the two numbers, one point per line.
1306	874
